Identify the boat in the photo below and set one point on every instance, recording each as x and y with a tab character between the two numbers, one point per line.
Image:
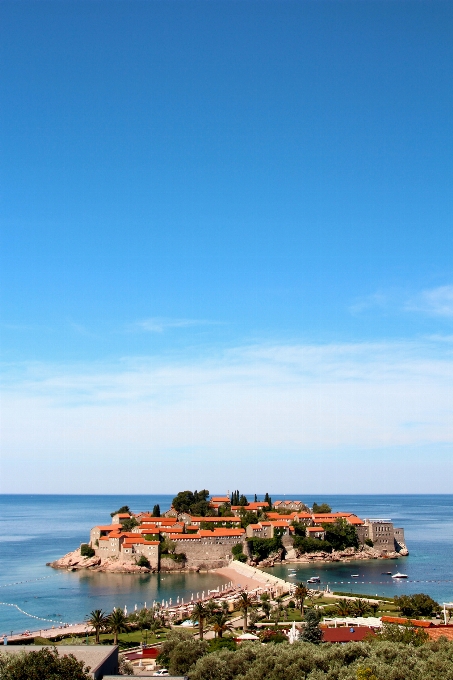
386	573
354	575
398	575
314	579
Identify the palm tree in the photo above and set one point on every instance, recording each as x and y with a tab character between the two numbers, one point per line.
221	624
98	621
245	601
360	607
117	623
300	594
199	613
343	607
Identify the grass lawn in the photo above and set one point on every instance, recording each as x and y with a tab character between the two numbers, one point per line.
125	640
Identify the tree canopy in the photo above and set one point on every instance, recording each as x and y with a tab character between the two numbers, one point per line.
44	663
194	502
419	604
122	510
381	660
322	509
238	498
340	534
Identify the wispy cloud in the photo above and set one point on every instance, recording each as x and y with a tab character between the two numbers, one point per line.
376	300
434	301
161	324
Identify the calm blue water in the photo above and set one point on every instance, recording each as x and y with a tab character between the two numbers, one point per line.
38	529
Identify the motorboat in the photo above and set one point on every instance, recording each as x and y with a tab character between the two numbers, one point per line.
354	575
314	579
398	575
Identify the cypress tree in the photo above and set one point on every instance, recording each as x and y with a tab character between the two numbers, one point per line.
312	632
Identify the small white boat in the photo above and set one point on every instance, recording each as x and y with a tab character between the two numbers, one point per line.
354	575
398	575
314	579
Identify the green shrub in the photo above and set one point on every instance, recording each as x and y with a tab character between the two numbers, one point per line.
238	553
369	542
407	634
222	643
270	635
86	550
308	545
416	605
261	548
180	652
143	562
302	660
45	663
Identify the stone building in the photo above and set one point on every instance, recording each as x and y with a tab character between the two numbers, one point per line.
384	535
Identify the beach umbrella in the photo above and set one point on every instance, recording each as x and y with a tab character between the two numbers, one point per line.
191	599
198	596
202	596
177	600
182	600
125	610
135	607
170	601
145	605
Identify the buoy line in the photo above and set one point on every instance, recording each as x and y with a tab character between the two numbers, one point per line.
31	580
445	580
32	616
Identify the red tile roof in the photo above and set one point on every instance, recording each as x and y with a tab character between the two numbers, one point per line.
251	506
183	537
440	631
221	532
108	527
401	621
346	634
236	520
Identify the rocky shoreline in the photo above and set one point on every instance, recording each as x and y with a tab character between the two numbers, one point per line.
365	552
73	561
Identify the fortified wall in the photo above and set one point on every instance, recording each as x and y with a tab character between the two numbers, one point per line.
207	553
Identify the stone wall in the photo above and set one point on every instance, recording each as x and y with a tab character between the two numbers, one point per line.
207	554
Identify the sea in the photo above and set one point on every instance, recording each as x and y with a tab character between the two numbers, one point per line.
37	529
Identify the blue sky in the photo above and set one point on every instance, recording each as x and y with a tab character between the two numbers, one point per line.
226	235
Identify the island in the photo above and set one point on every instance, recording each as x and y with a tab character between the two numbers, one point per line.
203	533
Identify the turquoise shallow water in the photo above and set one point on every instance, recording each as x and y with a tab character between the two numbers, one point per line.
38	529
